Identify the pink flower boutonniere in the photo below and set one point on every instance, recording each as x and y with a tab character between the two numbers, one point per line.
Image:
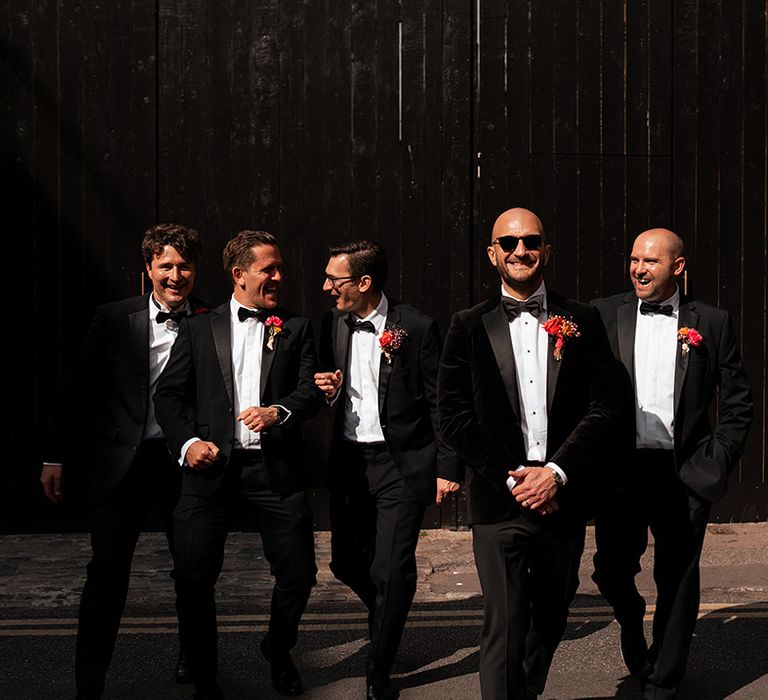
274	326
560	328
391	340
690	338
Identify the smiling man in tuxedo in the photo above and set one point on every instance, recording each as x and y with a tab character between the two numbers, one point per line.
525	397
121	455
387	460
237	387
669	465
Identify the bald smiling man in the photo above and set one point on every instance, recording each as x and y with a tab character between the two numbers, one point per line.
669	464
526	395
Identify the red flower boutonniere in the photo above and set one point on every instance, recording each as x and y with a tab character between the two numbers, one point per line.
560	328
690	338
391	340
199	310
274	326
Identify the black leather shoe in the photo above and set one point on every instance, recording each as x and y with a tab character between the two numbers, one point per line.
183	674
209	691
634	649
381	690
285	676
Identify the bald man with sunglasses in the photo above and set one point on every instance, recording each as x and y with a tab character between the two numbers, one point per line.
525	395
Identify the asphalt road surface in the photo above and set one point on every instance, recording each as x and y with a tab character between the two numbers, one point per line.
438	657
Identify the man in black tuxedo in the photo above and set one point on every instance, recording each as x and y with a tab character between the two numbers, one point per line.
115	447
237	387
380	359
525	397
669	464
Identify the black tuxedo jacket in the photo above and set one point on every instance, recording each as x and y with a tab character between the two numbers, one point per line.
704	457
480	406
407	398
105	397
195	398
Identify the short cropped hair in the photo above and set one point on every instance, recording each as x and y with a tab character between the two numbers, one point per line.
239	251
185	240
364	258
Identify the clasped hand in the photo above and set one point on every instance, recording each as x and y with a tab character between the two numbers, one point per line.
535	489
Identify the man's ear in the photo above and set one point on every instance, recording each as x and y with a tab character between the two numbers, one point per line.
491	254
364	284
678	266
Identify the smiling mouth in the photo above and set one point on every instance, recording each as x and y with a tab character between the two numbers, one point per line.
642	282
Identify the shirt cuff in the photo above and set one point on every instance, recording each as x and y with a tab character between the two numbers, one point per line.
557	469
283	412
511	481
184	448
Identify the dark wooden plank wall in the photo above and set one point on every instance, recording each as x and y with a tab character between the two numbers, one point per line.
412	123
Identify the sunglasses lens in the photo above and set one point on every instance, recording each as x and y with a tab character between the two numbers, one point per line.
532	242
509	243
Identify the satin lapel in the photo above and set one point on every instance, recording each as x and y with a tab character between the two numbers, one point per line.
341	354
222	338
626	323
138	324
687	317
385	369
553	365
267	357
497	328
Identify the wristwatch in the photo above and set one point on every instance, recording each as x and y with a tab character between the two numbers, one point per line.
556	476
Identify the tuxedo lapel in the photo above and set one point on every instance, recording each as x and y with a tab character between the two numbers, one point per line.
138	325
341	345
385	368
687	317
222	338
267	357
626	323
497	328
553	365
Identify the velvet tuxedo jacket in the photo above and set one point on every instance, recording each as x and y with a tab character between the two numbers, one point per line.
195	398
703	456
105	398
480	407
407	397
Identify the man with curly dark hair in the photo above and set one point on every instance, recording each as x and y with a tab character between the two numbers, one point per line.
112	444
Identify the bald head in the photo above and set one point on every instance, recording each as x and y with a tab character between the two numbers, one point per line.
665	239
656	264
516	222
518	251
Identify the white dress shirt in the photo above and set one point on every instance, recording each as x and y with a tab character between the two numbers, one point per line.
656	349
530	344
247	345
162	336
361	404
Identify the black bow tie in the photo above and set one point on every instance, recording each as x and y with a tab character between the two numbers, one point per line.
513	308
163	316
258	314
650	307
355	325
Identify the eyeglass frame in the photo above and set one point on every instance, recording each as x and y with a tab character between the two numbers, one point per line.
517	239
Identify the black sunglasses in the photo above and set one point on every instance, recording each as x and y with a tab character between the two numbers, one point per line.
532	241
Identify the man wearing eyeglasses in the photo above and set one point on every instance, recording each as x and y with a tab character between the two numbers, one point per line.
525	394
380	360
237	387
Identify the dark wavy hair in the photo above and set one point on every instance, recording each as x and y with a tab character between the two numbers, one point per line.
185	240
364	258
